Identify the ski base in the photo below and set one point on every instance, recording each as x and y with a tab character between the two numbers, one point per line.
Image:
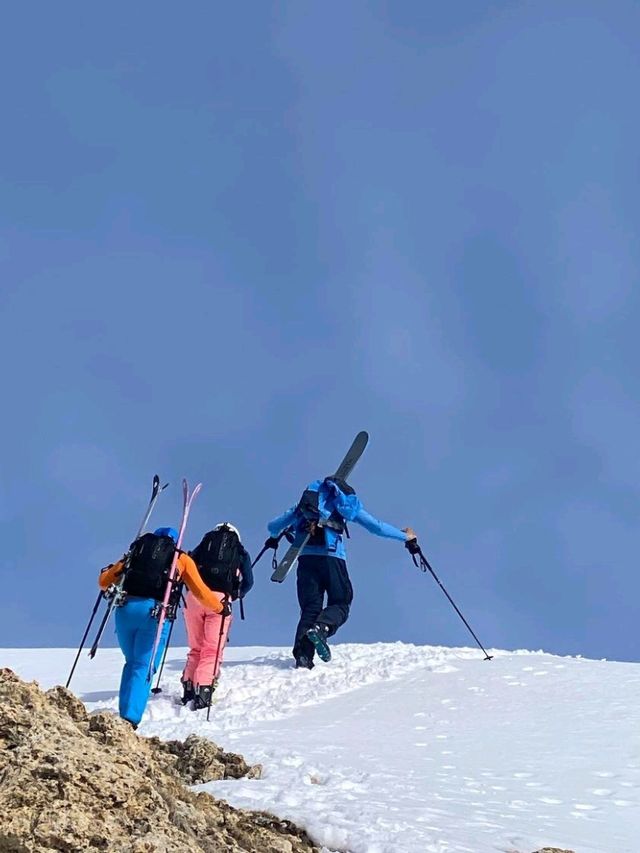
288	561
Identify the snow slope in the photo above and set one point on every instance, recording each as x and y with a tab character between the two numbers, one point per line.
393	748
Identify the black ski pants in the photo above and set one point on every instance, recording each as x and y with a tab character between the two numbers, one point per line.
317	576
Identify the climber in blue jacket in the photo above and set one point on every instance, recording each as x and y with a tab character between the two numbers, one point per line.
322	567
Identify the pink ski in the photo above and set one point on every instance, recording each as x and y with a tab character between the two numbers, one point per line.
162	607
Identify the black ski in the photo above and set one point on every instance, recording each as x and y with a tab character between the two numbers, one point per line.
344	470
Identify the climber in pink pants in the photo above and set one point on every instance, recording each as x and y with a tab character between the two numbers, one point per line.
224	566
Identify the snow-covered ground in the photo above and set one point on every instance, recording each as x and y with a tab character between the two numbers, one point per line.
393	748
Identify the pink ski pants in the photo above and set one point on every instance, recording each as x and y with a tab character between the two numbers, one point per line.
203	633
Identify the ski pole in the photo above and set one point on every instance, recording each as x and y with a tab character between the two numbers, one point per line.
84	638
100	632
414	549
272	542
180	598
241	600
215	665
157	688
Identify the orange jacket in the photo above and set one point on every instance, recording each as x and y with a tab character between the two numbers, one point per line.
187	572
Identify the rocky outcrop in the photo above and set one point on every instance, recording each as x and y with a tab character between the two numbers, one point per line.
198	760
71	782
553	850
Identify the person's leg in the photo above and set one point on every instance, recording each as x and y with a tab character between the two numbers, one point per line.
194	620
310	598
216	630
143	641
339	595
126	627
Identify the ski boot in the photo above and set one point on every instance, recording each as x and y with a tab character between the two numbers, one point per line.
188	693
203	696
318	636
304	662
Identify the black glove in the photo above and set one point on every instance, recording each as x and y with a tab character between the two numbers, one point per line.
226	610
412	546
272	542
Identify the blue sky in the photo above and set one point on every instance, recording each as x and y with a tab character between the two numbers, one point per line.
234	235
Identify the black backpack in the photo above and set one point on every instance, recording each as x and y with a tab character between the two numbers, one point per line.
218	557
308	509
147	566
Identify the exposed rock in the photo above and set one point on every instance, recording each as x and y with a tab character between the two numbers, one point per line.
71	782
199	760
553	850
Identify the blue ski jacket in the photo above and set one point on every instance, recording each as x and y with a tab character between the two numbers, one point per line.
331	498
246	573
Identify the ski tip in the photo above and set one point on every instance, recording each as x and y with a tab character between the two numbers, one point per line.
361	440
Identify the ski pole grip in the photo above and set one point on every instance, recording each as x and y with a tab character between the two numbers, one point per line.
412	547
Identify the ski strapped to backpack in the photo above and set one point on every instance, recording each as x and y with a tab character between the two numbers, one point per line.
303	536
113	593
162	609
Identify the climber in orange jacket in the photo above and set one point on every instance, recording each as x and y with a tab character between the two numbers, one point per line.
147	568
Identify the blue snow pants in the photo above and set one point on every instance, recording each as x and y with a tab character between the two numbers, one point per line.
317	576
136	631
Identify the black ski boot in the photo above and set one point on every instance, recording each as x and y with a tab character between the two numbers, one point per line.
188	693
304	662
203	696
318	636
